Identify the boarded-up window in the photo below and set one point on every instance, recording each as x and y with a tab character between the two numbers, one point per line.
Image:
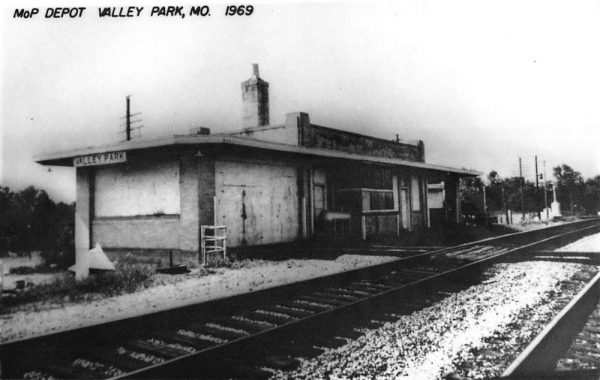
415	194
137	189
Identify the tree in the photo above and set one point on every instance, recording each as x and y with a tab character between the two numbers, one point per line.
30	220
570	180
495	192
591	196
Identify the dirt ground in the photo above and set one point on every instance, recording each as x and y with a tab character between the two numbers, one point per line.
190	288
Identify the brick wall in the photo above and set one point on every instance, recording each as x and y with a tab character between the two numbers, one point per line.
189	203
206	189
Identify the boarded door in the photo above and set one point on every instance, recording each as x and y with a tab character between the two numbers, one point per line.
257	202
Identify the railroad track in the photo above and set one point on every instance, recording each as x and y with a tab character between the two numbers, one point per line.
569	346
241	336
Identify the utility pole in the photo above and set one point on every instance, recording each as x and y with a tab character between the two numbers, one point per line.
129	122
522	197
537	188
546	193
508	219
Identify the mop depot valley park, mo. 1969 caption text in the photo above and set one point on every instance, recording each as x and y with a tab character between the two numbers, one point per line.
132	11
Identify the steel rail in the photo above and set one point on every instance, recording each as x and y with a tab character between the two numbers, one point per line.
12	350
161	369
539	358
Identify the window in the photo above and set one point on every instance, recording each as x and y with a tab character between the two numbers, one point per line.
381	200
319	199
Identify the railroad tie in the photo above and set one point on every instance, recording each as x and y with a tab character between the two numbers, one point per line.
219	332
584	358
264	316
297	303
64	370
111	357
296	311
324	300
342	297
581	347
175	337
154	349
356	292
374	285
248	326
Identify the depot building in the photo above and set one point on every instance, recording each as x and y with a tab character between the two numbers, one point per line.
266	183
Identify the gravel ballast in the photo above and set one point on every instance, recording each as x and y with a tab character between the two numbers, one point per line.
452	335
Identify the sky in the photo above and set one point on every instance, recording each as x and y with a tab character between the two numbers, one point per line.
482	83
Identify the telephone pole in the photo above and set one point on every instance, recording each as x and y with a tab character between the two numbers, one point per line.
546	193
537	189
522	197
508	217
129	122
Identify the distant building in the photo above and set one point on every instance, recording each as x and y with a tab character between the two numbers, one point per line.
266	183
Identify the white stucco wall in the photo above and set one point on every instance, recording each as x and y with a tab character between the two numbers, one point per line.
145	188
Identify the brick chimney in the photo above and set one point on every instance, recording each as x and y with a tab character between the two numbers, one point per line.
255	99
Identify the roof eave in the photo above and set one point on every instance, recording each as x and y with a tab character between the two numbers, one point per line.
65	158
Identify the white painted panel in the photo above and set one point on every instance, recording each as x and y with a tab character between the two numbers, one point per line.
435	198
257	202
405	210
137	189
415	194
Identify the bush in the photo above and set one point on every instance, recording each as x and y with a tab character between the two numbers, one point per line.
22	270
126	279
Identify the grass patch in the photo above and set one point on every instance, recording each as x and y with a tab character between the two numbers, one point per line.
127	278
22	270
134	272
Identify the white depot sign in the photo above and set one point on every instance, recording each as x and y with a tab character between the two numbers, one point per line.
100	159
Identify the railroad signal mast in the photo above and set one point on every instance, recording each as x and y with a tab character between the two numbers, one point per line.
129	122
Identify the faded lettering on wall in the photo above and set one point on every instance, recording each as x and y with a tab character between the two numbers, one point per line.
100	159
